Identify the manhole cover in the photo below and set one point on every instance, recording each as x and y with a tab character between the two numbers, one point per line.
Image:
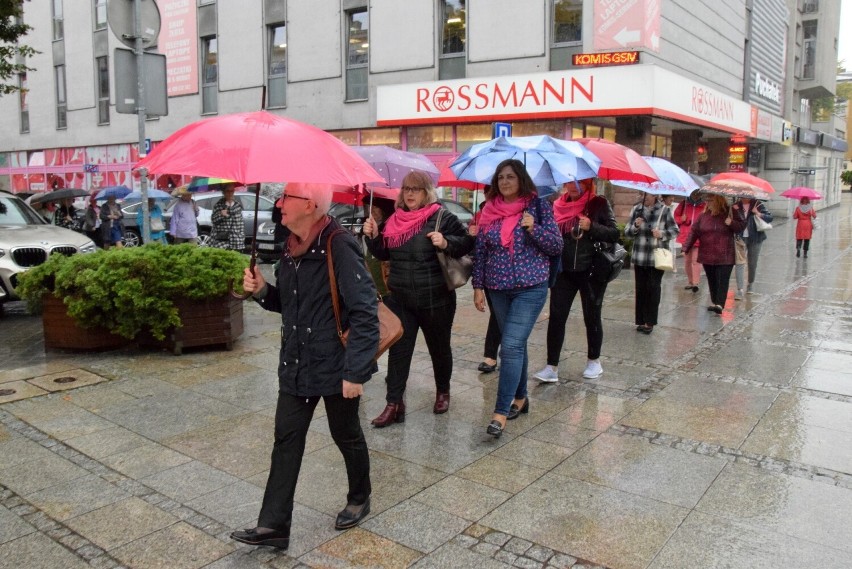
66	379
5	392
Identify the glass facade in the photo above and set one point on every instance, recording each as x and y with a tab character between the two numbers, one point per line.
277	80
102	64
209	75
357	54
61	97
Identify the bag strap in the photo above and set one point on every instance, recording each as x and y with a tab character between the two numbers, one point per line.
438	219
332	282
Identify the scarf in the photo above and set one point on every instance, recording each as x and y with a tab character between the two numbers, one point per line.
405	224
508	214
567	213
298	247
805	207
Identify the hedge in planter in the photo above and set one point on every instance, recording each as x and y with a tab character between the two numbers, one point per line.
131	290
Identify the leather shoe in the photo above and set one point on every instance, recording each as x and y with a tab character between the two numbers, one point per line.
515	411
351	515
442	403
393	413
495	429
263	536
486	368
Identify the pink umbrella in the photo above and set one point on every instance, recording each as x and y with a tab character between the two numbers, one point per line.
758	183
619	162
800	192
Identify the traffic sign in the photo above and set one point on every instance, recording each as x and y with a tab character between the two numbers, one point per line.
502	129
147	146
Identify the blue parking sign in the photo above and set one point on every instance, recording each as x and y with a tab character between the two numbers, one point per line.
502	129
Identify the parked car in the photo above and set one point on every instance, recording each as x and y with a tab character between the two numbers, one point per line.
206	201
26	241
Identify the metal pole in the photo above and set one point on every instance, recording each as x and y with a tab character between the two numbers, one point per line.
140	114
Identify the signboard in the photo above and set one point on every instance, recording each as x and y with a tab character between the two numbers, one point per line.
807	136
179	43
626	23
154	68
502	129
606	58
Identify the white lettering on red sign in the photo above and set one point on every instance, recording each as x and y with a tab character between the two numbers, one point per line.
494	96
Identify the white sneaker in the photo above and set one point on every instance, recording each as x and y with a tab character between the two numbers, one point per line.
548	374
739	294
593	369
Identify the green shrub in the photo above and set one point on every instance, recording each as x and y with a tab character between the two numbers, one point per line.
132	289
846	177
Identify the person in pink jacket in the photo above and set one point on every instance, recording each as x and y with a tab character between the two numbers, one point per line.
686	213
804	216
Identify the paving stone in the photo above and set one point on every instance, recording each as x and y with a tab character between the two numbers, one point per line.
517	545
179	546
12	526
464	540
505	556
539	553
38	551
497	538
488	549
116	524
561	561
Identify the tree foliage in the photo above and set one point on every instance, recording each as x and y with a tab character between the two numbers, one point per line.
12	54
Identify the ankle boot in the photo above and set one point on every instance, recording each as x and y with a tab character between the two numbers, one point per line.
393	413
442	403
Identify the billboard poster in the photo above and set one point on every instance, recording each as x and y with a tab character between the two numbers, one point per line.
179	43
621	24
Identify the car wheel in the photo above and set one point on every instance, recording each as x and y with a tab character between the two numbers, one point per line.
131	238
203	238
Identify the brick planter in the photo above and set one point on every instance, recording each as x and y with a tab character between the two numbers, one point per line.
210	322
62	332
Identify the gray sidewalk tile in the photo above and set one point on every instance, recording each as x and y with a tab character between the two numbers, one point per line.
107	442
232	505
361	548
416	526
17	390
179	546
144	460
459	558
120	523
68	500
12	526
44	472
65	380
249	391
463	498
38	551
188	481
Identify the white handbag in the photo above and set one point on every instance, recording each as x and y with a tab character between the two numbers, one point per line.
663	258
761	225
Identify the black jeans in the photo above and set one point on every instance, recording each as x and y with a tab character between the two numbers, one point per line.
292	419
805	242
437	325
561	298
492	336
648	285
718	280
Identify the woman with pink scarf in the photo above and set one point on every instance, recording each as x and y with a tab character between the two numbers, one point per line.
517	236
419	293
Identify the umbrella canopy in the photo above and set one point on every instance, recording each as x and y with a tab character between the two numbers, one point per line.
118	192
673	180
800	192
152	193
201	183
619	162
758	183
395	164
57	195
447	178
259	147
738	185
549	161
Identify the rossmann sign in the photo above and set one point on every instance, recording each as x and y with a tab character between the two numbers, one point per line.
634	90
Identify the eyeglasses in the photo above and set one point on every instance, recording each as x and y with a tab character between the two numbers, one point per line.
412	189
285	195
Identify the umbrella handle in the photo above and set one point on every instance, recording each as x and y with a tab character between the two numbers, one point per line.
253	261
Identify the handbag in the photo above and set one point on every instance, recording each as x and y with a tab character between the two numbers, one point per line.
740	253
390	326
157	225
663	258
761	225
456	271
607	263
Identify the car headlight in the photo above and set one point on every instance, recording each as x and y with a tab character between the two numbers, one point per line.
88	247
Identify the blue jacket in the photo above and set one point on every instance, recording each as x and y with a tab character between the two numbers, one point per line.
751	235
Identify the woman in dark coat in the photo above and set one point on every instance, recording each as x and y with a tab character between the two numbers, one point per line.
753	240
419	293
112	223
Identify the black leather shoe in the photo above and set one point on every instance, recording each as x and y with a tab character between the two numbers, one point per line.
351	515
273	538
485	368
495	429
514	411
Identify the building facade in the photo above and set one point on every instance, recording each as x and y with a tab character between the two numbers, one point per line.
713	85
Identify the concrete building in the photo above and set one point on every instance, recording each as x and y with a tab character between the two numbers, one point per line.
713	85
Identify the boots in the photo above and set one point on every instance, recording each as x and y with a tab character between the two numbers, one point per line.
799	252
442	403
393	413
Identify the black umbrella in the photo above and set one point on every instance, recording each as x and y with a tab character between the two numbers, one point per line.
57	195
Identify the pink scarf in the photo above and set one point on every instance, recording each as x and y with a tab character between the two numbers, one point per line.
567	212
403	224
509	214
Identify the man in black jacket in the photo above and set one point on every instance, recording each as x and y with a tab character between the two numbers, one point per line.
313	361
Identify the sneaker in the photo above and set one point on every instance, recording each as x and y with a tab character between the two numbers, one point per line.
739	294
749	290
593	369
548	374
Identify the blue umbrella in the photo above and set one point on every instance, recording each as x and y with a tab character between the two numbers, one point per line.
673	180
152	193
549	161
119	192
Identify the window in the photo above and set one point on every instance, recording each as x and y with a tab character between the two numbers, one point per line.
22	102
358	54
430	139
809	45
453	37
58	25
277	81
102	64
556	128
61	98
567	21
385	136
469	134
209	75
100	14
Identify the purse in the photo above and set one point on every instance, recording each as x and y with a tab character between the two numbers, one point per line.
663	258
607	263
740	253
456	271
761	225
390	326
157	225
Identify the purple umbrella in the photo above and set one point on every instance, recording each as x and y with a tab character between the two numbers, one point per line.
393	165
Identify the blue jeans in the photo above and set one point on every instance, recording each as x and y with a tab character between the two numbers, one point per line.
516	311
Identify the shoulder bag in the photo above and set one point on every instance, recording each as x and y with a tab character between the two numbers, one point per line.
740	252
761	225
157	224
607	262
456	271
663	259
390	327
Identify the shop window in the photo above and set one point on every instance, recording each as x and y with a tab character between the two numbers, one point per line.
277	79
469	134
209	75
453	38
102	64
349	137
381	136
430	139
578	129
58	20
357	54
556	129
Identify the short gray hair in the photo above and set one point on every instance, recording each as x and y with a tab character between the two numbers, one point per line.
320	194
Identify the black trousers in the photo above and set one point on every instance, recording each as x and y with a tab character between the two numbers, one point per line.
437	325
805	242
492	335
292	419
562	295
718	280
648	286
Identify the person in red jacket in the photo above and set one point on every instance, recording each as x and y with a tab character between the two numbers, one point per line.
716	228
685	214
804	216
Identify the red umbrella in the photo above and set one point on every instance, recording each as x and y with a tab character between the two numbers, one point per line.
619	162
448	179
800	192
758	183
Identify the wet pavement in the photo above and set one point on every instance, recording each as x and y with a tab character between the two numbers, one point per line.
713	442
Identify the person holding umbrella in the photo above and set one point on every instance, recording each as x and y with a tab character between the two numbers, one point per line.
314	363
685	215
155	217
112	224
752	209
183	225
66	214
804	216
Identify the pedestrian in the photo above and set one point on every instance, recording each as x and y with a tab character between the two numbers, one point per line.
716	228
753	240
92	222
184	225
381	210
517	237
314	364
112	224
651	225
685	215
156	225
804	216
492	333
66	214
585	220
229	230
419	293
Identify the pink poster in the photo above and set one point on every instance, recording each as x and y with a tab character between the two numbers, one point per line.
623	24
178	42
